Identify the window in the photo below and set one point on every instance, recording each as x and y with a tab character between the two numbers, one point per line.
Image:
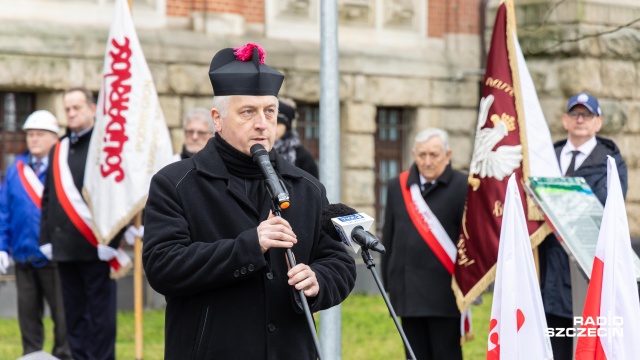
308	127
14	109
390	137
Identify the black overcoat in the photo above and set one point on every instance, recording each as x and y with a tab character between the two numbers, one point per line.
67	243
225	298
555	277
418	284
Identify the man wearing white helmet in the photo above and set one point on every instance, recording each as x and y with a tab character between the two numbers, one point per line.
37	278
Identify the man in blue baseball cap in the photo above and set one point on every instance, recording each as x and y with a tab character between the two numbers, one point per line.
582	154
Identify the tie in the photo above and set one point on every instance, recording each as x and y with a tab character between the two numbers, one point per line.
571	169
74	138
37	167
425	188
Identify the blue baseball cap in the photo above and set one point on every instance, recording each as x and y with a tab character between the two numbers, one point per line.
587	100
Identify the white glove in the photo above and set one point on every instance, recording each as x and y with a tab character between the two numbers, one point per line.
133	232
47	251
4	262
106	253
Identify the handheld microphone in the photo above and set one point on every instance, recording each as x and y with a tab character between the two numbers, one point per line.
343	223
275	186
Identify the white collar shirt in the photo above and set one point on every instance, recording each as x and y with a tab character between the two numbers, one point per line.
566	154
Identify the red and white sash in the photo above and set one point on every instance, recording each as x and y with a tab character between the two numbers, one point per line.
435	237
30	182
427	224
74	206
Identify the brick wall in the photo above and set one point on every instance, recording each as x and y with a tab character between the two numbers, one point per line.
178	8
252	10
453	17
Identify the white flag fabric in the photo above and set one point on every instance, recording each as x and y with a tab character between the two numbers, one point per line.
517	326
542	157
130	139
611	313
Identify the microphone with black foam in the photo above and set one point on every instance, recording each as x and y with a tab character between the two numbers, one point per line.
277	191
345	224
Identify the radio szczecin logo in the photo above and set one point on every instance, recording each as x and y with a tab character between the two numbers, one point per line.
599	326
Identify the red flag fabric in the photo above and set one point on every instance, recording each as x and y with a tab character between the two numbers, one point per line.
500	150
609	325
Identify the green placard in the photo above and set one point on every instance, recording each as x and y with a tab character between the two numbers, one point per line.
575	213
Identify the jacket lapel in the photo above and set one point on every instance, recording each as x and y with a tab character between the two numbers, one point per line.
209	162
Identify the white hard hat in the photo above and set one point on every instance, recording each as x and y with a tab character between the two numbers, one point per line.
42	120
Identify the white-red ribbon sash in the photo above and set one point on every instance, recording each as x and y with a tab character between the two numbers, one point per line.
30	182
428	224
434	235
73	204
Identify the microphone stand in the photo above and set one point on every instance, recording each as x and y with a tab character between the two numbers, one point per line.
303	298
371	266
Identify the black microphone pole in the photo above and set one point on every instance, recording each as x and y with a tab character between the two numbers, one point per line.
303	298
371	266
279	198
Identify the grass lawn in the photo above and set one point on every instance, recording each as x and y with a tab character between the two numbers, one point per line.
367	332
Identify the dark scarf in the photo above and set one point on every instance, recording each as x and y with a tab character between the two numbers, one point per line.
238	163
286	146
244	170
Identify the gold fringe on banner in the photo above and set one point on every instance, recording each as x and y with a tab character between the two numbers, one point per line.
464	301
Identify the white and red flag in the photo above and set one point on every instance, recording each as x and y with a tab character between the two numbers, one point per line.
130	140
517	326
611	312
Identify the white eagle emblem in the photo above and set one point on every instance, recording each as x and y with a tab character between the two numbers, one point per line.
504	160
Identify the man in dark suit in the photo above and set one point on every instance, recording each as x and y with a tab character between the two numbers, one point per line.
422	220
581	154
229	289
88	292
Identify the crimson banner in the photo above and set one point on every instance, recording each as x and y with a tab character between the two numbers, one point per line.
499	151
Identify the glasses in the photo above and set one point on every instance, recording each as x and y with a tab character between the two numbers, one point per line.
190	133
575	115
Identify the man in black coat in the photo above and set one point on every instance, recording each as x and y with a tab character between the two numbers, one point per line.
422	219
88	291
581	154
215	250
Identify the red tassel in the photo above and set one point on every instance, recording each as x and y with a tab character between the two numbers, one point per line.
244	53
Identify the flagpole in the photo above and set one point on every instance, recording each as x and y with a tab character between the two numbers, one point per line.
137	276
137	287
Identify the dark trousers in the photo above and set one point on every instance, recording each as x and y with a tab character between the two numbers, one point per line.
34	285
90	307
562	346
433	338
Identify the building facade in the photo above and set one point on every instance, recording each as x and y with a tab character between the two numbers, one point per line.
404	65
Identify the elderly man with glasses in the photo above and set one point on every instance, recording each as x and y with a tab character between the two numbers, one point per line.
198	129
582	154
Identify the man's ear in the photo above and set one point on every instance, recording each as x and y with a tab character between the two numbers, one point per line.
600	122
217	119
565	121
